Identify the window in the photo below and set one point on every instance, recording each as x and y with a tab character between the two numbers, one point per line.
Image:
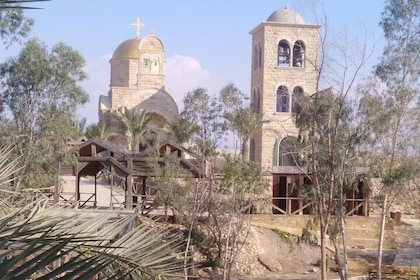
298	54
255	60
253	99
283	53
288	151
257	57
296	99
258	100
282	104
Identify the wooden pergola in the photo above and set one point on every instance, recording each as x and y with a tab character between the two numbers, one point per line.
133	169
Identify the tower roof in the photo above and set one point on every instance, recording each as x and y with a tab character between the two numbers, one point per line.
127	49
286	15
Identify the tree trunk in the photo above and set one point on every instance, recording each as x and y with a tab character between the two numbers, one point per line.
323	251
343	268
381	236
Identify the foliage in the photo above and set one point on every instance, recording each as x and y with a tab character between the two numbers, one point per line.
13	4
181	130
40	89
100	131
13	24
328	134
9	166
308	236
174	185
284	236
246	123
390	105
238	188
239	117
243	182
60	242
204	112
136	124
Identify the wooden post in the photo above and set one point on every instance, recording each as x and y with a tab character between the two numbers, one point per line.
93	150
78	189
57	185
129	197
112	187
300	187
366	206
288	198
96	191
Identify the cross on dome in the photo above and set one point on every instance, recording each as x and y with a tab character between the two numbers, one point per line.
138	24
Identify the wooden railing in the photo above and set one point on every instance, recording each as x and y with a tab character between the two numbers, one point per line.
305	204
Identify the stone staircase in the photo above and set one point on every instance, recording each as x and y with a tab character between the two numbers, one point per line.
362	232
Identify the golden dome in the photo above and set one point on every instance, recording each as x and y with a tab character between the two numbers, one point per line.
127	49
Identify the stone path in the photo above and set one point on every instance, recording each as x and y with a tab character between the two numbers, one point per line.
408	240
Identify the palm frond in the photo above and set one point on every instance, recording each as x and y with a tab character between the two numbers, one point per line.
79	244
15	4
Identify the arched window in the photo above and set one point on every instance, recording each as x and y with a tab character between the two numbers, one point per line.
258	100
296	99
255	60
252	150
288	151
253	99
298	54
283	53
259	56
282	103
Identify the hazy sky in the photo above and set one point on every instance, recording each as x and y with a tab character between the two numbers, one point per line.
207	43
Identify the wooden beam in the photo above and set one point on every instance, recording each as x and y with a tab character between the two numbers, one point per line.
90	159
93	150
121	167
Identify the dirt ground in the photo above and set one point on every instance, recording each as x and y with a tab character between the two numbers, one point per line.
292	260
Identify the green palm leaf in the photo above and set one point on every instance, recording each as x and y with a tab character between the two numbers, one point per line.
137	125
103	244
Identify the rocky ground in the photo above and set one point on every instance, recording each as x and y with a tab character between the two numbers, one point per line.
270	255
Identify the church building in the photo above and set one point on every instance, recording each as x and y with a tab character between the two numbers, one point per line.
137	80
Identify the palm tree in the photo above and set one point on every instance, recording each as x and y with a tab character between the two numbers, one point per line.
100	131
181	130
136	123
246	123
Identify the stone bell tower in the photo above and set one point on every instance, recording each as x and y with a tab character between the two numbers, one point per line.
284	50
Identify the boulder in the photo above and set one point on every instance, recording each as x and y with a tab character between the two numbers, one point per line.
270	263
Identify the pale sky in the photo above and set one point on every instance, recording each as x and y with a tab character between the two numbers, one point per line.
207	43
